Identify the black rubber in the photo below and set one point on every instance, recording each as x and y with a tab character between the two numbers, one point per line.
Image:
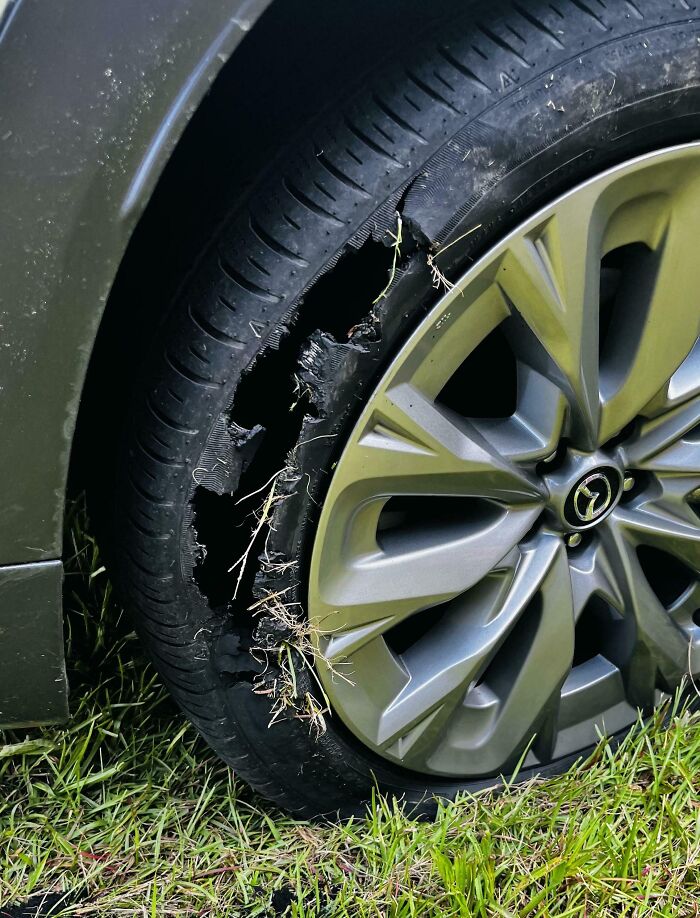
477	124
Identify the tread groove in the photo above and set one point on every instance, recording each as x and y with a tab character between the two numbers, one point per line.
324	191
147	496
156	457
256	264
275	245
235	276
354	156
441	79
175	396
540	26
149	533
412	102
368	142
290	221
579	4
397	119
461	68
340	176
430	92
168	421
503	45
216	333
226	303
385	134
306	202
189	374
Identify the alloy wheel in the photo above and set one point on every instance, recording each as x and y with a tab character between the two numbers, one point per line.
506	563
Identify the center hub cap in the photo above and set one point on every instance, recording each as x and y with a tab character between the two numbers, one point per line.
592	498
584	489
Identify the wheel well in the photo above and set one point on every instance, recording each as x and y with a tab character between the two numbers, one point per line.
295	60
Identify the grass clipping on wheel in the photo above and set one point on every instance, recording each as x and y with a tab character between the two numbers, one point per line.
128	813
295	641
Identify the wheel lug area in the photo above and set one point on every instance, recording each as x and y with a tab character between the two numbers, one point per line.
583	488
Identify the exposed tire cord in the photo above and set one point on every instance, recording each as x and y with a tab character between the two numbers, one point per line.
459	131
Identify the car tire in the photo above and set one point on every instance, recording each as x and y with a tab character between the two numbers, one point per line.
295	309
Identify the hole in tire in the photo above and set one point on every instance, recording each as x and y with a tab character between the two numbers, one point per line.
218	524
340	300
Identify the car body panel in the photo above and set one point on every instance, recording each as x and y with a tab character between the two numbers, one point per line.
95	97
33	688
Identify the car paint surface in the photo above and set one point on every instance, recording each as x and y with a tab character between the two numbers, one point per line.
94	97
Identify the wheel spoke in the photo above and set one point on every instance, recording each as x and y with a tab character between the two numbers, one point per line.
363	597
592	575
682	386
590	689
669	443
551	276
653	524
412	446
535	429
530	701
445	666
662	323
661	647
672	494
439	347
683	612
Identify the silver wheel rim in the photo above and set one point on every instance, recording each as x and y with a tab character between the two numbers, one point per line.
485	591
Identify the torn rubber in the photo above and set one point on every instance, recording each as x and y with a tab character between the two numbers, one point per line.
249	443
334	375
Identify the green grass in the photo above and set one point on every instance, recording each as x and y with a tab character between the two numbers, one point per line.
127	810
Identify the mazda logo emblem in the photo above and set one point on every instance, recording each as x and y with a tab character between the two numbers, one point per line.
592	497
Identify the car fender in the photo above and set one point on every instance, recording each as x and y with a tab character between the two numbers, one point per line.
95	96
